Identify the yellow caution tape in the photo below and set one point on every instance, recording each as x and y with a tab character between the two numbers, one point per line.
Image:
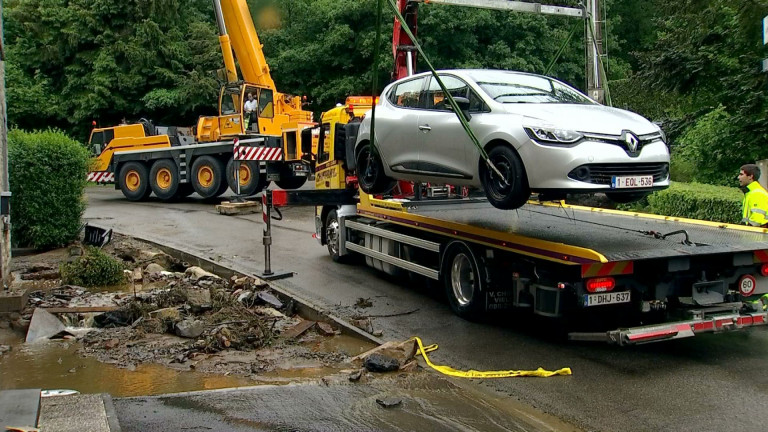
484	374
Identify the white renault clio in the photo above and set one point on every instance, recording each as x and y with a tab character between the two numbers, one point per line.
541	135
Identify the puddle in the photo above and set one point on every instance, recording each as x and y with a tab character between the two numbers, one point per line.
56	365
49	365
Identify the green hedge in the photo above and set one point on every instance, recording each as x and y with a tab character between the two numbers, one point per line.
697	201
47	174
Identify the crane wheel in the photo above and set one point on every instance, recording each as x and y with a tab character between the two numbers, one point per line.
164	179
134	181
208	177
251	180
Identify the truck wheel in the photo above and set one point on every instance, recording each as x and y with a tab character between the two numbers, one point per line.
333	237
134	181
208	177
370	172
464	278
511	193
251	180
164	179
291	182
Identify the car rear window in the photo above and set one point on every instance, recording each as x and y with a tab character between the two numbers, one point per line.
407	94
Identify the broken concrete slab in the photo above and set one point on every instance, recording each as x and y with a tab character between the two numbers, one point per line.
325	329
43	325
154	268
170	314
199	298
189	328
19	408
196	273
269	299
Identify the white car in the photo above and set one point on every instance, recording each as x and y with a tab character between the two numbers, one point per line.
542	135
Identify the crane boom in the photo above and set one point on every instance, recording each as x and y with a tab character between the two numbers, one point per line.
245	42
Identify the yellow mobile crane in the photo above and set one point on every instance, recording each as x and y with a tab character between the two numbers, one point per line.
173	162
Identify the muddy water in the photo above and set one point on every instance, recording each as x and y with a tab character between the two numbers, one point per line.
56	365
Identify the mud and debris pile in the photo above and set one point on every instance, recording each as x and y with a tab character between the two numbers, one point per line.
169	312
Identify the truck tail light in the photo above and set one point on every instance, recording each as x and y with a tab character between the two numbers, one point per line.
764	269
602	284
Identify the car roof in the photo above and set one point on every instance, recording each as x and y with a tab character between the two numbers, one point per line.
475	73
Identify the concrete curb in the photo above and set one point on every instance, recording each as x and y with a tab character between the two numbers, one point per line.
109	409
304	307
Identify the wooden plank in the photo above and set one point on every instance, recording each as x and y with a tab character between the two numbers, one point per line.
298	329
19	408
80	309
238	208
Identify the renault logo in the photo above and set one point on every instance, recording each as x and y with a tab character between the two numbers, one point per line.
631	140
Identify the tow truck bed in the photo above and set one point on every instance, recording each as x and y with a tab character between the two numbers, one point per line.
576	234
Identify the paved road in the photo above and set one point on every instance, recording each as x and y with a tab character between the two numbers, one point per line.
708	383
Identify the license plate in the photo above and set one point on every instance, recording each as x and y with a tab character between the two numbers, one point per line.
606	298
631	182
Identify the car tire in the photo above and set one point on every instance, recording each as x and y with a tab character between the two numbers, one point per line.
251	180
134	181
515	192
208	177
370	171
464	279
626	197
164	179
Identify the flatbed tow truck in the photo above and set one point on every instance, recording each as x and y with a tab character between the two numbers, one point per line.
654	278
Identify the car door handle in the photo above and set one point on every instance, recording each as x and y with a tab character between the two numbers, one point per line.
425	128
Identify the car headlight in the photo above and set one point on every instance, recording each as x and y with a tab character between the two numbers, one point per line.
553	135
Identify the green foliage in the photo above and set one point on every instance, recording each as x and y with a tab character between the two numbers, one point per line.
71	62
94	268
709	53
47	174
697	201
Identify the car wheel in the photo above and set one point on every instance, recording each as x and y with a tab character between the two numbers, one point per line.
464	278
511	192
251	180
626	197
208	177
370	172
134	181
164	179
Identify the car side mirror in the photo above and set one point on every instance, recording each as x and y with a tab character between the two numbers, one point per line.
463	104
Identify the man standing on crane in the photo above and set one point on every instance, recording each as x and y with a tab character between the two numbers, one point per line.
250	109
754	210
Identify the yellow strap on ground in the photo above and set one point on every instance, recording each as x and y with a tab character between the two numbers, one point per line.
484	374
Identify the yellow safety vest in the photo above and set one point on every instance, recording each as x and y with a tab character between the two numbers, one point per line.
755	205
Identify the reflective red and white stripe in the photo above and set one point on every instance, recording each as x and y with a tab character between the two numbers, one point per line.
258	153
717	323
101	177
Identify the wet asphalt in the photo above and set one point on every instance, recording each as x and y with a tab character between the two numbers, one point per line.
706	383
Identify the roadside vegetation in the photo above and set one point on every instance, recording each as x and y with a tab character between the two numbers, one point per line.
93	268
692	66
47	174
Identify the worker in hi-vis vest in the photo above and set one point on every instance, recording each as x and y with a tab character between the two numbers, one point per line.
754	210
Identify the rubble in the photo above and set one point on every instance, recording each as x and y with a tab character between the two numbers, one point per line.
43	326
381	363
187	318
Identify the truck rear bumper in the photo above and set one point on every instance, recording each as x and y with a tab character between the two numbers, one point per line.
714	323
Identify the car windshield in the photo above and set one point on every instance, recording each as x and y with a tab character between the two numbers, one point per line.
510	87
